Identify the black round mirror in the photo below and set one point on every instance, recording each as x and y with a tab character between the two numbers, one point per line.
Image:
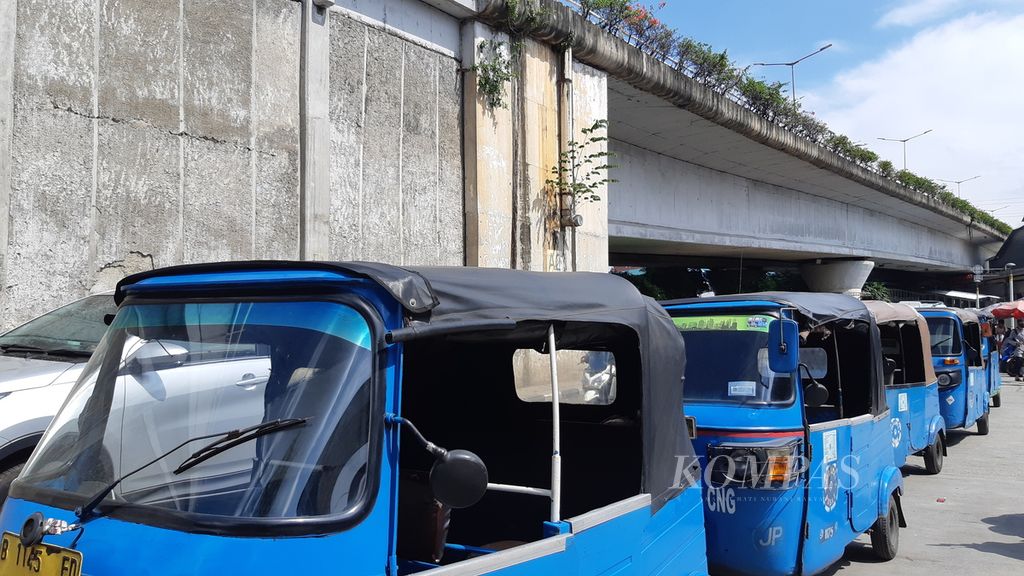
458	479
32	530
815	394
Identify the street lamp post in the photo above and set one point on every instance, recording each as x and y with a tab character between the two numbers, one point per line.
1009	268
958	182
904	141
792	68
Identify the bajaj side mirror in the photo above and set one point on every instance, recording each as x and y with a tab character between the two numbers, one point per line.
458	479
783	346
815	394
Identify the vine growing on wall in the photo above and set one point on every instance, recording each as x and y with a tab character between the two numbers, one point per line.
580	171
497	59
493	69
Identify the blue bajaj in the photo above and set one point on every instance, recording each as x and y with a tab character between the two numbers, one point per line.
271	417
911	386
960	366
787	395
990	352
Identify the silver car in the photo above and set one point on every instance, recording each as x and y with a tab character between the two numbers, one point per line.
40	361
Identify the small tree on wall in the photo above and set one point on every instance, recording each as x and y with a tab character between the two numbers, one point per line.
581	172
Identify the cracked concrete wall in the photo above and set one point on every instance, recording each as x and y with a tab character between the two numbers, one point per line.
142	134
138	134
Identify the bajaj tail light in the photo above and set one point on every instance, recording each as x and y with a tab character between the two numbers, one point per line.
768	465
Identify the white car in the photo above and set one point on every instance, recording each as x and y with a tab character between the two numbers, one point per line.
40	361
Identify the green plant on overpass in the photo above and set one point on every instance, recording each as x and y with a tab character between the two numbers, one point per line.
635	23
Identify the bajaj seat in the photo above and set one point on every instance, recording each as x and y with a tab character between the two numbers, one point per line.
422	520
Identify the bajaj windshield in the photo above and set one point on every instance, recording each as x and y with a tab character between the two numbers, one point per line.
168	373
727	361
945	336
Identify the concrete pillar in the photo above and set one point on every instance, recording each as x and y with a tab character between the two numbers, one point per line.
840	276
513	217
488	163
314	129
8	28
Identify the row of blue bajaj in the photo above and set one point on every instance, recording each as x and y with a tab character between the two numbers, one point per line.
366	419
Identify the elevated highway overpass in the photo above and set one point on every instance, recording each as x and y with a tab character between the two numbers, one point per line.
689	186
700	177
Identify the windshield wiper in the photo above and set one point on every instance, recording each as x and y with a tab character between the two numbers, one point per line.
16	348
225	441
234	438
941	342
25	349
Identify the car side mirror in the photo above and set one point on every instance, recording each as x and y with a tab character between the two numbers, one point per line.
783	345
458	478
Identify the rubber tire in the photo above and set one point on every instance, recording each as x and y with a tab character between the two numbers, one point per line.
933	456
6	477
983	425
997	400
885	534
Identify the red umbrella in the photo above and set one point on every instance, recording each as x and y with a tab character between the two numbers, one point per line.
1008	309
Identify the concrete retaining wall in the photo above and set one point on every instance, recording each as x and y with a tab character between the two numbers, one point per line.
136	134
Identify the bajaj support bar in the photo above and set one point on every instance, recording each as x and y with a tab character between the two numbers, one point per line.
911	386
793	430
960	365
294	417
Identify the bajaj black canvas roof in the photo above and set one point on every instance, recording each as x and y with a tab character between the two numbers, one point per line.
590	309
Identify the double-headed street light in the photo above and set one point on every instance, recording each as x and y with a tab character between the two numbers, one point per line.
792	68
958	182
904	141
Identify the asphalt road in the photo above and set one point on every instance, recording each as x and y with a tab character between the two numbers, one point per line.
969	519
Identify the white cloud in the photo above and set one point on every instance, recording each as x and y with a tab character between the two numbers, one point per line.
914	12
965	80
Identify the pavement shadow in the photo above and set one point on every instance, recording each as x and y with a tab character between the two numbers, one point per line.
954	437
1008	525
914	470
856	553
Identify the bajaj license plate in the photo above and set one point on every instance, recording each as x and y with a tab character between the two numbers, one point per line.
39	560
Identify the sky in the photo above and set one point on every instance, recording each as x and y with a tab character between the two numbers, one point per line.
895	69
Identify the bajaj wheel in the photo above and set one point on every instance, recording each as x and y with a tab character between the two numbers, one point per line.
997	400
983	425
885	535
933	456
6	477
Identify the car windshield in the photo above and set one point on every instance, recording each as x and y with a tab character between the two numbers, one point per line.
167	373
75	328
728	361
945	336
